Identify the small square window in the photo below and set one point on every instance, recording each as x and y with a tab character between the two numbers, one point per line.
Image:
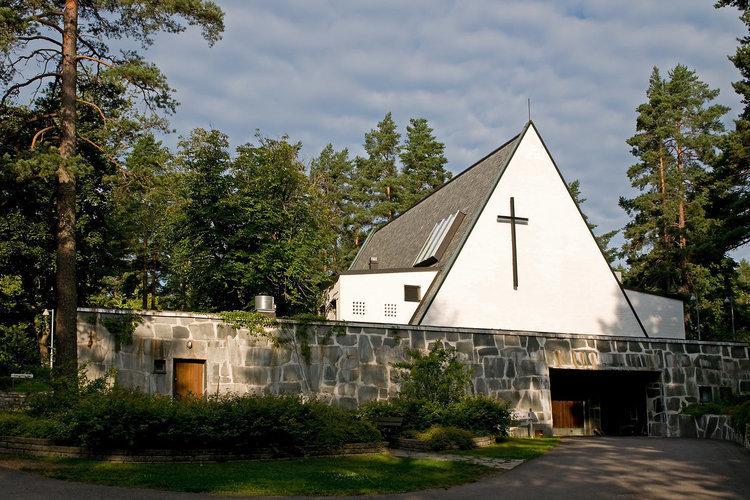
390	310
706	394
358	308
412	293
160	366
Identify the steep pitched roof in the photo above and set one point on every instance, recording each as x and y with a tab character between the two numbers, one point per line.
397	244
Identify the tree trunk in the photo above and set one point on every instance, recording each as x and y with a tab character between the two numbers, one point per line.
153	279
67	294
144	274
681	219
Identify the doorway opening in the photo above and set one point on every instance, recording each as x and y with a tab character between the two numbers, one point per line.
608	402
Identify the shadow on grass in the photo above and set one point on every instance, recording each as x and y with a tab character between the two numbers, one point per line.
311	476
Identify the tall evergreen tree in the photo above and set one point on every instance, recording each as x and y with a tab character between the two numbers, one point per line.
142	198
423	163
382	146
331	173
678	132
67	43
730	196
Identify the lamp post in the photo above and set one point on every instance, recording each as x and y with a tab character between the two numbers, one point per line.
693	298
729	301
51	312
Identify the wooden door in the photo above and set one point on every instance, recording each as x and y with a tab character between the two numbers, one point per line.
188	378
567	414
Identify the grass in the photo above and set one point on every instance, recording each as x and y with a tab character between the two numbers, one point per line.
356	475
513	448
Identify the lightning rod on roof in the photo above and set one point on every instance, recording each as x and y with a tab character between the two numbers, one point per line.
528	102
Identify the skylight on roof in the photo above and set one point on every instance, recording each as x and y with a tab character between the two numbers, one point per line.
438	240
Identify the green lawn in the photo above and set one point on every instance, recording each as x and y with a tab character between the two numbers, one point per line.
513	448
356	475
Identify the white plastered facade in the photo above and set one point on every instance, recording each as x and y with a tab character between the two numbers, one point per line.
565	283
378	297
663	317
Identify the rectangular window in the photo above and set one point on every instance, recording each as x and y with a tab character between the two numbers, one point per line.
412	293
160	366
706	394
390	310
358	308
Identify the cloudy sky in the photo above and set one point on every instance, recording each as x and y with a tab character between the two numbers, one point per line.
328	71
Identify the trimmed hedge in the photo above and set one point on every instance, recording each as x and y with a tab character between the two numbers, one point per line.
125	418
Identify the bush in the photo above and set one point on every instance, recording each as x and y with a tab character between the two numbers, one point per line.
480	414
737	406
437	376
91	414
741	417
440	437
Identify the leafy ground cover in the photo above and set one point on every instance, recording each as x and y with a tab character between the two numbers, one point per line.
357	475
513	448
736	406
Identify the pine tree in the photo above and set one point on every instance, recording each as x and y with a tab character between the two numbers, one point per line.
382	146
678	132
66	41
423	163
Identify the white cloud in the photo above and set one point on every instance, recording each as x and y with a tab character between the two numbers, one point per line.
328	71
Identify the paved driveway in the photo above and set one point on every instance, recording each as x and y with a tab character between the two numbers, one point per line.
620	468
578	468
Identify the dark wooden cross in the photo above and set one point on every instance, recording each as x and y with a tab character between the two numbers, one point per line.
513	221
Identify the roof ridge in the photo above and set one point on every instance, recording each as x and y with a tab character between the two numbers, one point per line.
470	167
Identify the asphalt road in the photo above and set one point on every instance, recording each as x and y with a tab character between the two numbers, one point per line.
643	468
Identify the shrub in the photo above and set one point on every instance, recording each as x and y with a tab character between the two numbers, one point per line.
480	414
737	406
95	415
741	417
440	437
437	376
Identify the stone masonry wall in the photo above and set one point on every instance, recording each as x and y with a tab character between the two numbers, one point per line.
350	363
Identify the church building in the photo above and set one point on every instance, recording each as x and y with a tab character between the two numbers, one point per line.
500	265
503	246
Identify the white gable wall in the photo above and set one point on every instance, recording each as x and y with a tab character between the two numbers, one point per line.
661	316
565	284
373	297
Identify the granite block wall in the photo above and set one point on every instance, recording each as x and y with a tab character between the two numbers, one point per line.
351	363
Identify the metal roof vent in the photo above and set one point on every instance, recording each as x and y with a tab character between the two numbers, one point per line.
264	304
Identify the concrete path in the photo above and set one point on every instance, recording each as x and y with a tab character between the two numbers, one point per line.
643	468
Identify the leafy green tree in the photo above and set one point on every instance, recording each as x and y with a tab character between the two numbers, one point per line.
246	226
284	231
602	240
423	163
201	223
678	132
65	45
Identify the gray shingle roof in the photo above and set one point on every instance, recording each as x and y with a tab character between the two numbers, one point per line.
397	244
